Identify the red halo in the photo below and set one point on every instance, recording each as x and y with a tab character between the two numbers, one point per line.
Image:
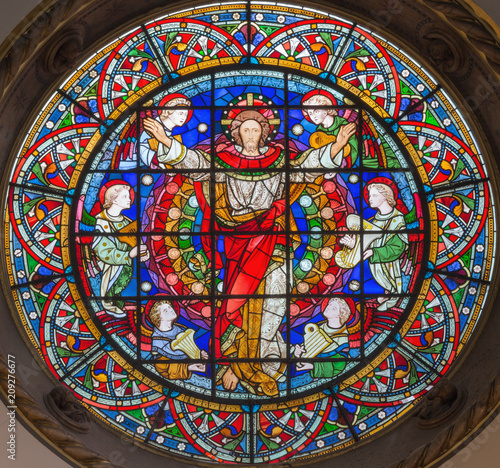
317	92
263	108
260	105
381	180
173	96
109	184
350	303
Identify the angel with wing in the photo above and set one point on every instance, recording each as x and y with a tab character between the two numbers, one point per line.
328	339
340	334
115	254
175	113
384	252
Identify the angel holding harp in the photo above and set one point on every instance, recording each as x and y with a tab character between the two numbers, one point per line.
172	342
115	253
383	251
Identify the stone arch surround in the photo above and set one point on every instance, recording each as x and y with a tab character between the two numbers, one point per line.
482	96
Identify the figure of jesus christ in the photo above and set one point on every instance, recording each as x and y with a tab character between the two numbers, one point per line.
245	327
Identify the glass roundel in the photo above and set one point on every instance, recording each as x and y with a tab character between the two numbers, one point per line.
246	235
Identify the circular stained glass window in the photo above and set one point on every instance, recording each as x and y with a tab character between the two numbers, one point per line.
247	235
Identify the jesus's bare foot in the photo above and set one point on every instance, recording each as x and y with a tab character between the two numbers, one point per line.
229	380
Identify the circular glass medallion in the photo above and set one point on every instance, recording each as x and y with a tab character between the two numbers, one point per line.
223	263
249	264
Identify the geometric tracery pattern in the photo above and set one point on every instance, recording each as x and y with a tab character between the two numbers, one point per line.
249	234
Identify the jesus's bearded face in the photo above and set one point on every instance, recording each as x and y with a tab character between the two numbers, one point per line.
250	132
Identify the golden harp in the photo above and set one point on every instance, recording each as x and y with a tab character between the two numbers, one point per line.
315	340
185	342
320	139
128	239
348	258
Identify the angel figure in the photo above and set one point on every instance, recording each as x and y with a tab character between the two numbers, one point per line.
337	313
340	335
166	331
331	126
115	254
175	113
384	253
